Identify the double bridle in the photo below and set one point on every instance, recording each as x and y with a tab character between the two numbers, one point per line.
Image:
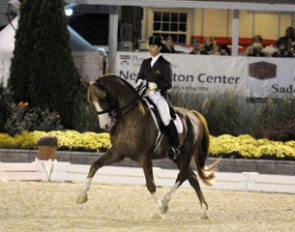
114	111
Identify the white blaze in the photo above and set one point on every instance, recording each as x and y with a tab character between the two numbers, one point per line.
104	120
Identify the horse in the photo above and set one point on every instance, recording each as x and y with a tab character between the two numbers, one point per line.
134	133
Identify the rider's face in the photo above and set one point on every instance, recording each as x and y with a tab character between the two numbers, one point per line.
154	50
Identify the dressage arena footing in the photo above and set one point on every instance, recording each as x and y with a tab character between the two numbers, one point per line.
31	206
41	196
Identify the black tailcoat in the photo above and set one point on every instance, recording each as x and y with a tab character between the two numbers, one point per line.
160	73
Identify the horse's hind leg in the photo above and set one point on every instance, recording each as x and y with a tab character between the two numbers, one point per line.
111	156
182	176
193	180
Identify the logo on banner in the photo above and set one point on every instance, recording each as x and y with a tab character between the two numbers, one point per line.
125	59
263	70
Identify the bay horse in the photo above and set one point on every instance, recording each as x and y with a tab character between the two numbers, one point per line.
134	133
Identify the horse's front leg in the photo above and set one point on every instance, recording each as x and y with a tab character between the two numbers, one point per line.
146	164
111	156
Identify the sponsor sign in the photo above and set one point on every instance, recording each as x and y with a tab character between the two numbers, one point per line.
207	74
271	77
250	77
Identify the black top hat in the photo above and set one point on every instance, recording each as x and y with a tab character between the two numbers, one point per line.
155	40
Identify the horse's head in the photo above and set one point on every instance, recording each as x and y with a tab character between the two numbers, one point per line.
102	101
97	92
112	94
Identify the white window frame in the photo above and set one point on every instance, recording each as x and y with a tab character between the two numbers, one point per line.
187	33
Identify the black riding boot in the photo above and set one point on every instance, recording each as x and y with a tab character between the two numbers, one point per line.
173	151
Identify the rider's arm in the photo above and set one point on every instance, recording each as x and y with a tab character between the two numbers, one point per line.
165	82
141	76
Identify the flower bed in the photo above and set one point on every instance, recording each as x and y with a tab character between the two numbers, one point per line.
67	140
243	146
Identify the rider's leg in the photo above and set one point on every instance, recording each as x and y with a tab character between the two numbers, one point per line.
174	140
164	111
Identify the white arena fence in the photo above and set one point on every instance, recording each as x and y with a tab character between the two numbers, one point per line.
55	171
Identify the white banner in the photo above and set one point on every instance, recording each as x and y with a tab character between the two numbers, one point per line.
251	77
271	77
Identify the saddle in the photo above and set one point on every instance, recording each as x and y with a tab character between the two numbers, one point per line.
158	122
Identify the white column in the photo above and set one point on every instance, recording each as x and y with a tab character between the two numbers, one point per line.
235	38
279	24
293	20
113	38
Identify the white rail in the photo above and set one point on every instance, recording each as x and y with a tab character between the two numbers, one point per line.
67	172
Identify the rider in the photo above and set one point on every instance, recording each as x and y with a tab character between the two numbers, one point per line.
156	71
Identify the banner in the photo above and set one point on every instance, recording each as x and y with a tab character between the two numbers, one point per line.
273	77
252	77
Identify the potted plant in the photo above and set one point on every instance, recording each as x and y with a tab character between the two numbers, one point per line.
47	146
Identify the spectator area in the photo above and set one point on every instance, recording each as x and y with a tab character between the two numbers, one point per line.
243	42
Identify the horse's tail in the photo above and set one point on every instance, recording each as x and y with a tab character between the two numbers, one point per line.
206	173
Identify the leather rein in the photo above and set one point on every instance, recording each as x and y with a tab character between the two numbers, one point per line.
115	112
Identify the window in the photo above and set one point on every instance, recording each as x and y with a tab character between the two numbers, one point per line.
174	24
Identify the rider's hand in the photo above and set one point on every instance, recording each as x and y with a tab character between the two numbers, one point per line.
152	85
139	83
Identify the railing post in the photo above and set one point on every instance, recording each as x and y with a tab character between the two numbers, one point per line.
235	38
113	39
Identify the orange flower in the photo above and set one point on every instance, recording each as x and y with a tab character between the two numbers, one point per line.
23	104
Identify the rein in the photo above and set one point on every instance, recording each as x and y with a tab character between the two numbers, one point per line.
114	112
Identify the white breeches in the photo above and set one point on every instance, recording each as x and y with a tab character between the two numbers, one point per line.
162	105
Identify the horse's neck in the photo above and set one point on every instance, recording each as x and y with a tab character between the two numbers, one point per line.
126	99
135	112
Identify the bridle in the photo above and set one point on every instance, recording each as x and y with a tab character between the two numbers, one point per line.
114	111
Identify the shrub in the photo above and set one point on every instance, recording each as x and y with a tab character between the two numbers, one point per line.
23	61
5	106
6	141
243	146
22	118
76	141
233	114
43	71
280	131
25	140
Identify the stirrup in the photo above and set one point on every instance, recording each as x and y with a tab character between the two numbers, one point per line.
173	152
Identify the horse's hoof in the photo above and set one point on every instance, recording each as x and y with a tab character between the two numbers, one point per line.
205	216
164	208
157	216
82	199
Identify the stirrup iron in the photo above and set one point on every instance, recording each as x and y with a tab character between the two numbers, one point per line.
173	152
